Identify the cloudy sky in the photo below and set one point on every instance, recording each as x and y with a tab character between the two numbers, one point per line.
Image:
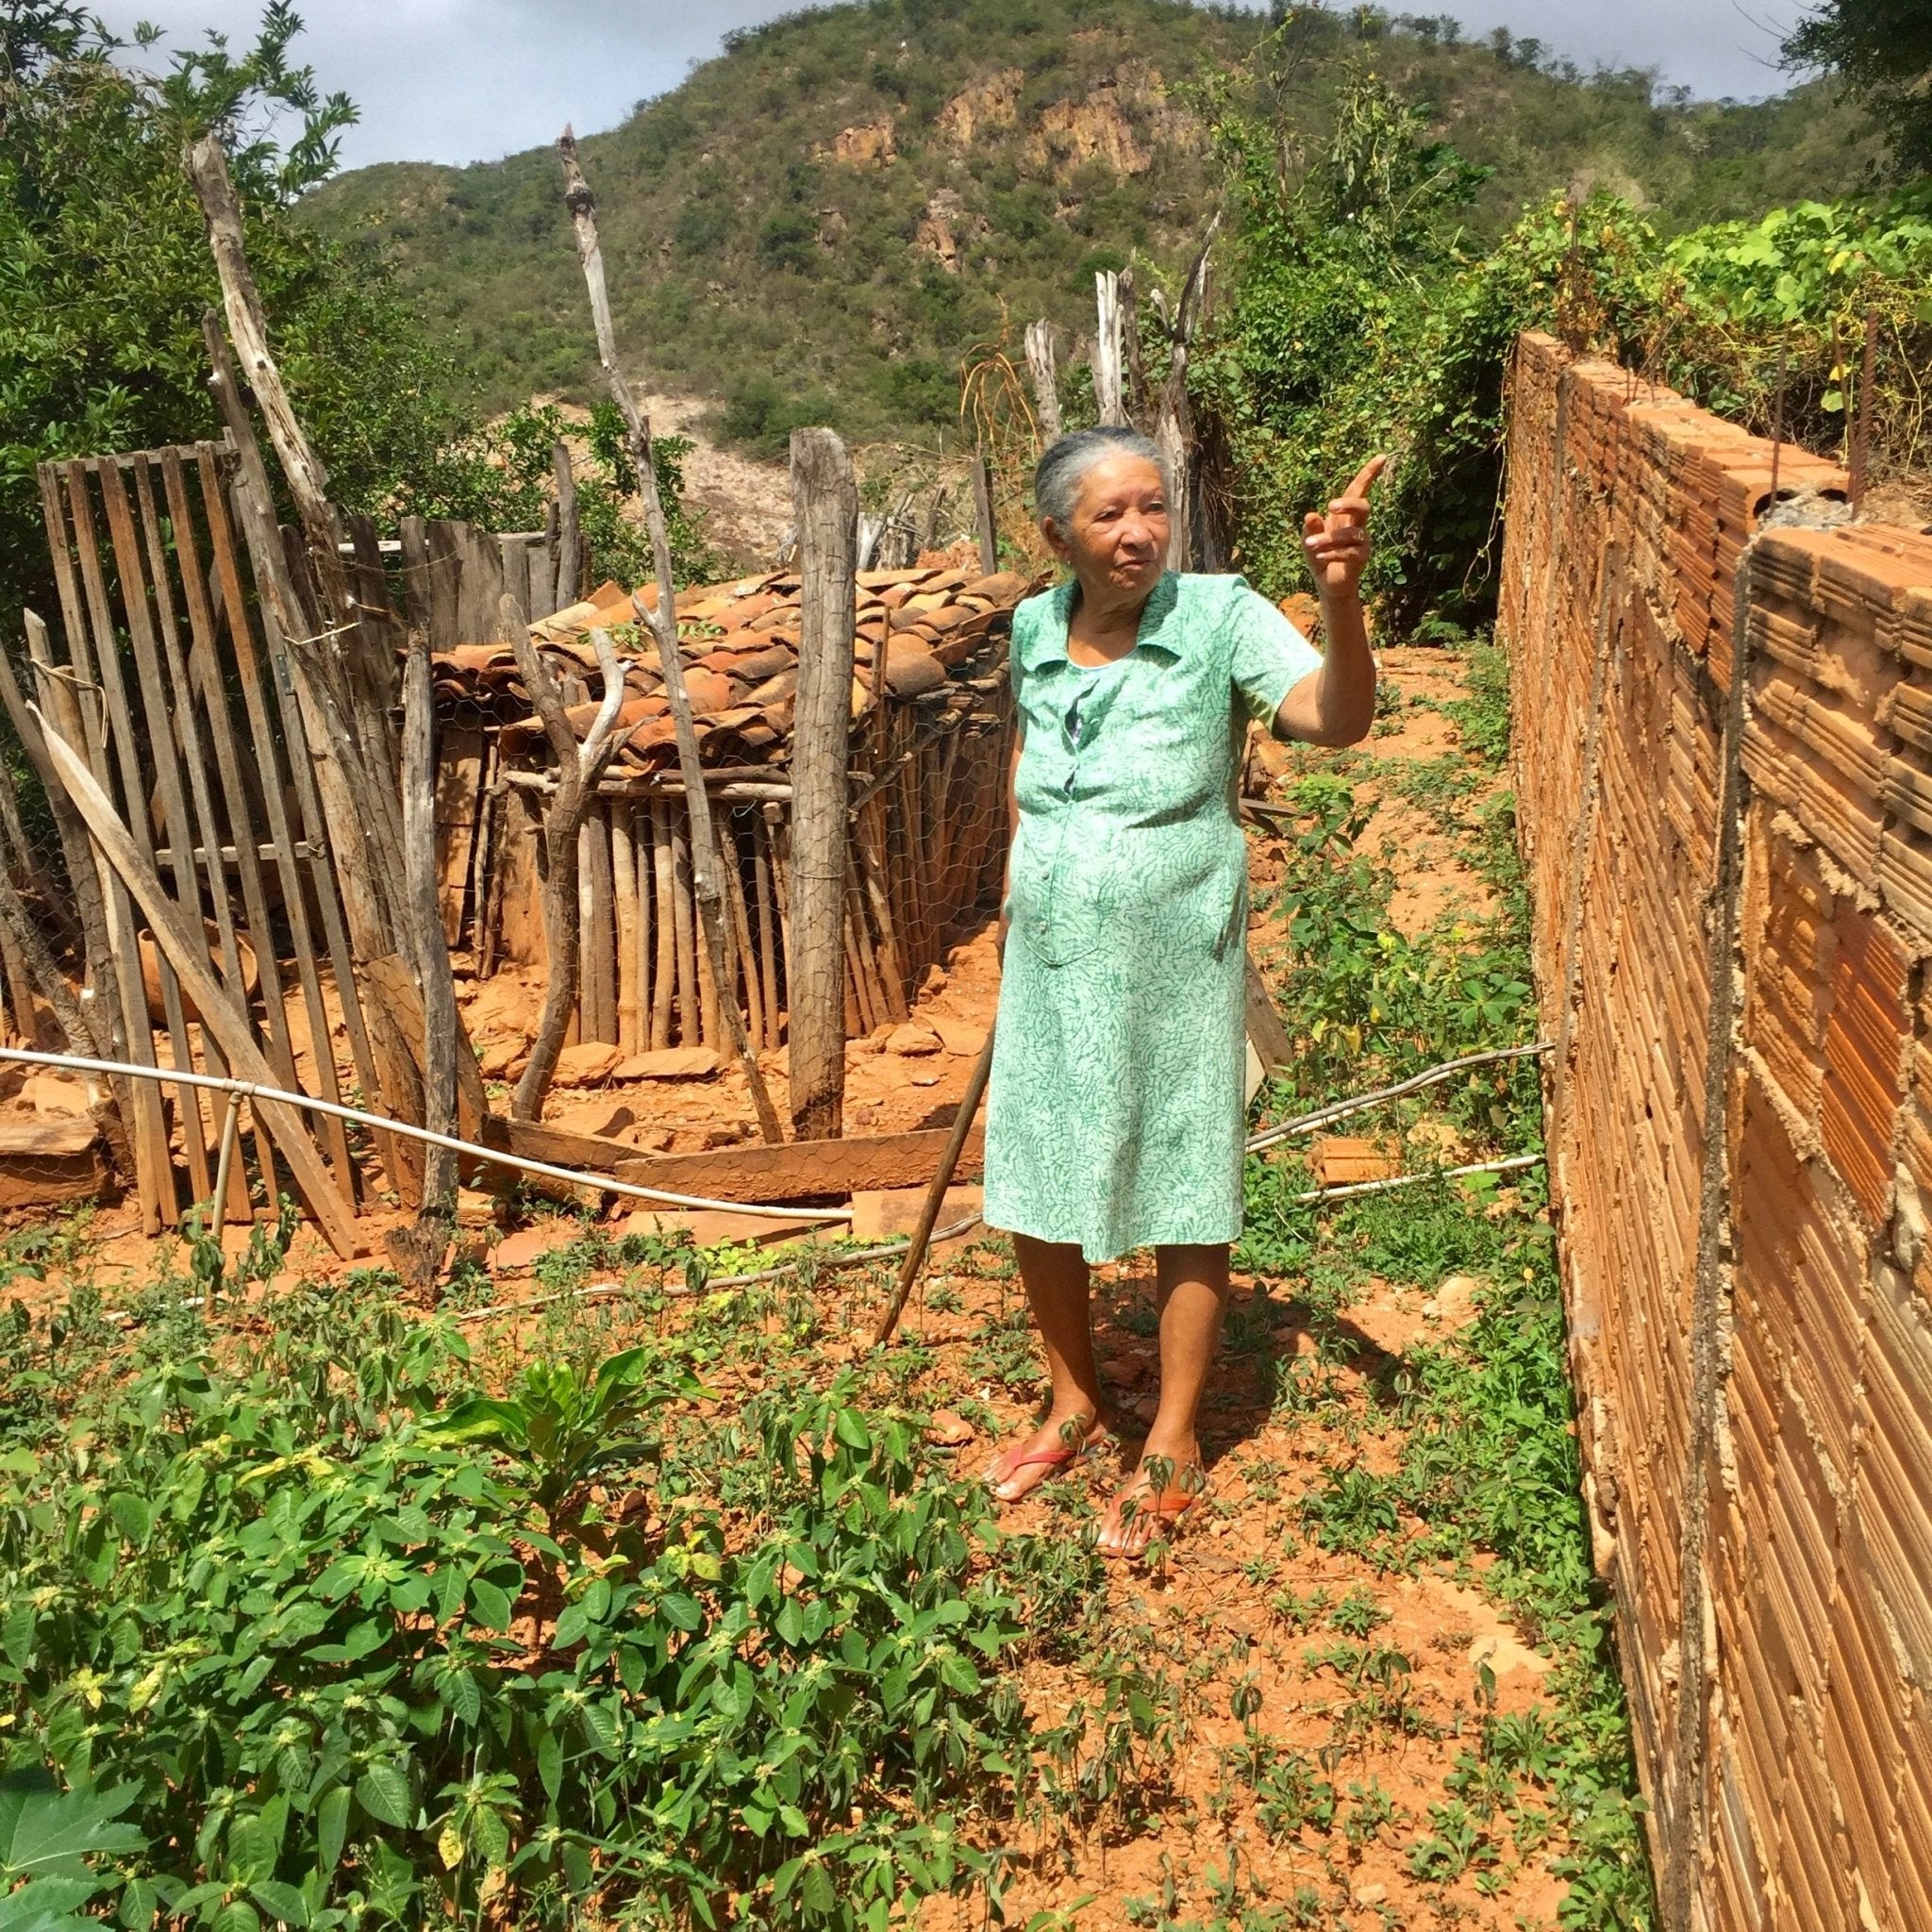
468	80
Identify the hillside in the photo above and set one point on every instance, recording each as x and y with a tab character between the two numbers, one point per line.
818	223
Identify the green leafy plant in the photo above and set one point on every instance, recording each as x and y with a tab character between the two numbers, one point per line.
48	1839
567	1426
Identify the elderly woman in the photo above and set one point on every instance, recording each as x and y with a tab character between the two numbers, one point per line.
1115	1113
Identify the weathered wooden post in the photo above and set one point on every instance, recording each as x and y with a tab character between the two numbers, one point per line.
1041	367
824	507
982	513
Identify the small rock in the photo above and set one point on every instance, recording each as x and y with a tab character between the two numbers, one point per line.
949	1429
54	1094
925	1080
1146	1408
672	1063
912	1039
728	1136
959	1038
935	981
602	1119
588	1065
527	1249
497	1060
476	1209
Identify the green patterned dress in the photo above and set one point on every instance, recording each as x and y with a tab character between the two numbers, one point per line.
1114	1116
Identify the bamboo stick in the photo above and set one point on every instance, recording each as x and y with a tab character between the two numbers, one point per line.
740	919
601	935
687	1031
624	886
646	889
664	976
768	961
876	879
874	1007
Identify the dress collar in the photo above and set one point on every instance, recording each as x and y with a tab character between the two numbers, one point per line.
1157	632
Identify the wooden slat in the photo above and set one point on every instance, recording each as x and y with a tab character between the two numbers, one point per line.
804	1169
153	1165
158	736
740	924
184	712
187	951
682	912
251	678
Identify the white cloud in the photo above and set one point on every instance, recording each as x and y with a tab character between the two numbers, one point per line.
466	80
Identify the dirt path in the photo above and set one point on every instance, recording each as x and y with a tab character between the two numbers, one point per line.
1315	1713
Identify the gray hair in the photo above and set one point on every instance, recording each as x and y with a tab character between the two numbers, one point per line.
1056	481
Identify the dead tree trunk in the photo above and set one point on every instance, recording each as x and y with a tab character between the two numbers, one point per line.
1139	405
824	507
662	619
579	767
1106	349
1046	382
1174	426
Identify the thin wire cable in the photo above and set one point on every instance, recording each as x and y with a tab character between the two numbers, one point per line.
1411	1180
1336	1110
493	1156
824	1264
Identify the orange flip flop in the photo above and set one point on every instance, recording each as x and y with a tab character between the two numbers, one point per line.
1163	1510
1060	1456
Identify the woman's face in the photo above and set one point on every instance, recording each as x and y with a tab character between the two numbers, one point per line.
1118	535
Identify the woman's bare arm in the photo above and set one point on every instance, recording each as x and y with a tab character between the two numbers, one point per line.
1336	705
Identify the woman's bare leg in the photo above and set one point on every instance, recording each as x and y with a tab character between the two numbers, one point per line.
1192	1289
1055	1274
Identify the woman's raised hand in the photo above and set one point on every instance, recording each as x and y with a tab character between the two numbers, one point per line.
1338	544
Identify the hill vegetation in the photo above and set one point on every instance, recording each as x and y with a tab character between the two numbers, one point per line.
818	224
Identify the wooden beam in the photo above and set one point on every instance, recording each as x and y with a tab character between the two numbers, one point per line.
806	1170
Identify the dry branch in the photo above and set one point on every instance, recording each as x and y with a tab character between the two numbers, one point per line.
662	621
579	769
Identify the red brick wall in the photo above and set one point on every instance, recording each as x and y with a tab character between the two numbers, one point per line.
1733	891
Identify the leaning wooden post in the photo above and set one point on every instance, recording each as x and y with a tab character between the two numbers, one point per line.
661	617
982	513
1046	382
935	1194
825	511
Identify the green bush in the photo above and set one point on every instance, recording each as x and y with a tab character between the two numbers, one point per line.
367	1648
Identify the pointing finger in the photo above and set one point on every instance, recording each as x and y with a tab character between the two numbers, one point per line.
1367	475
